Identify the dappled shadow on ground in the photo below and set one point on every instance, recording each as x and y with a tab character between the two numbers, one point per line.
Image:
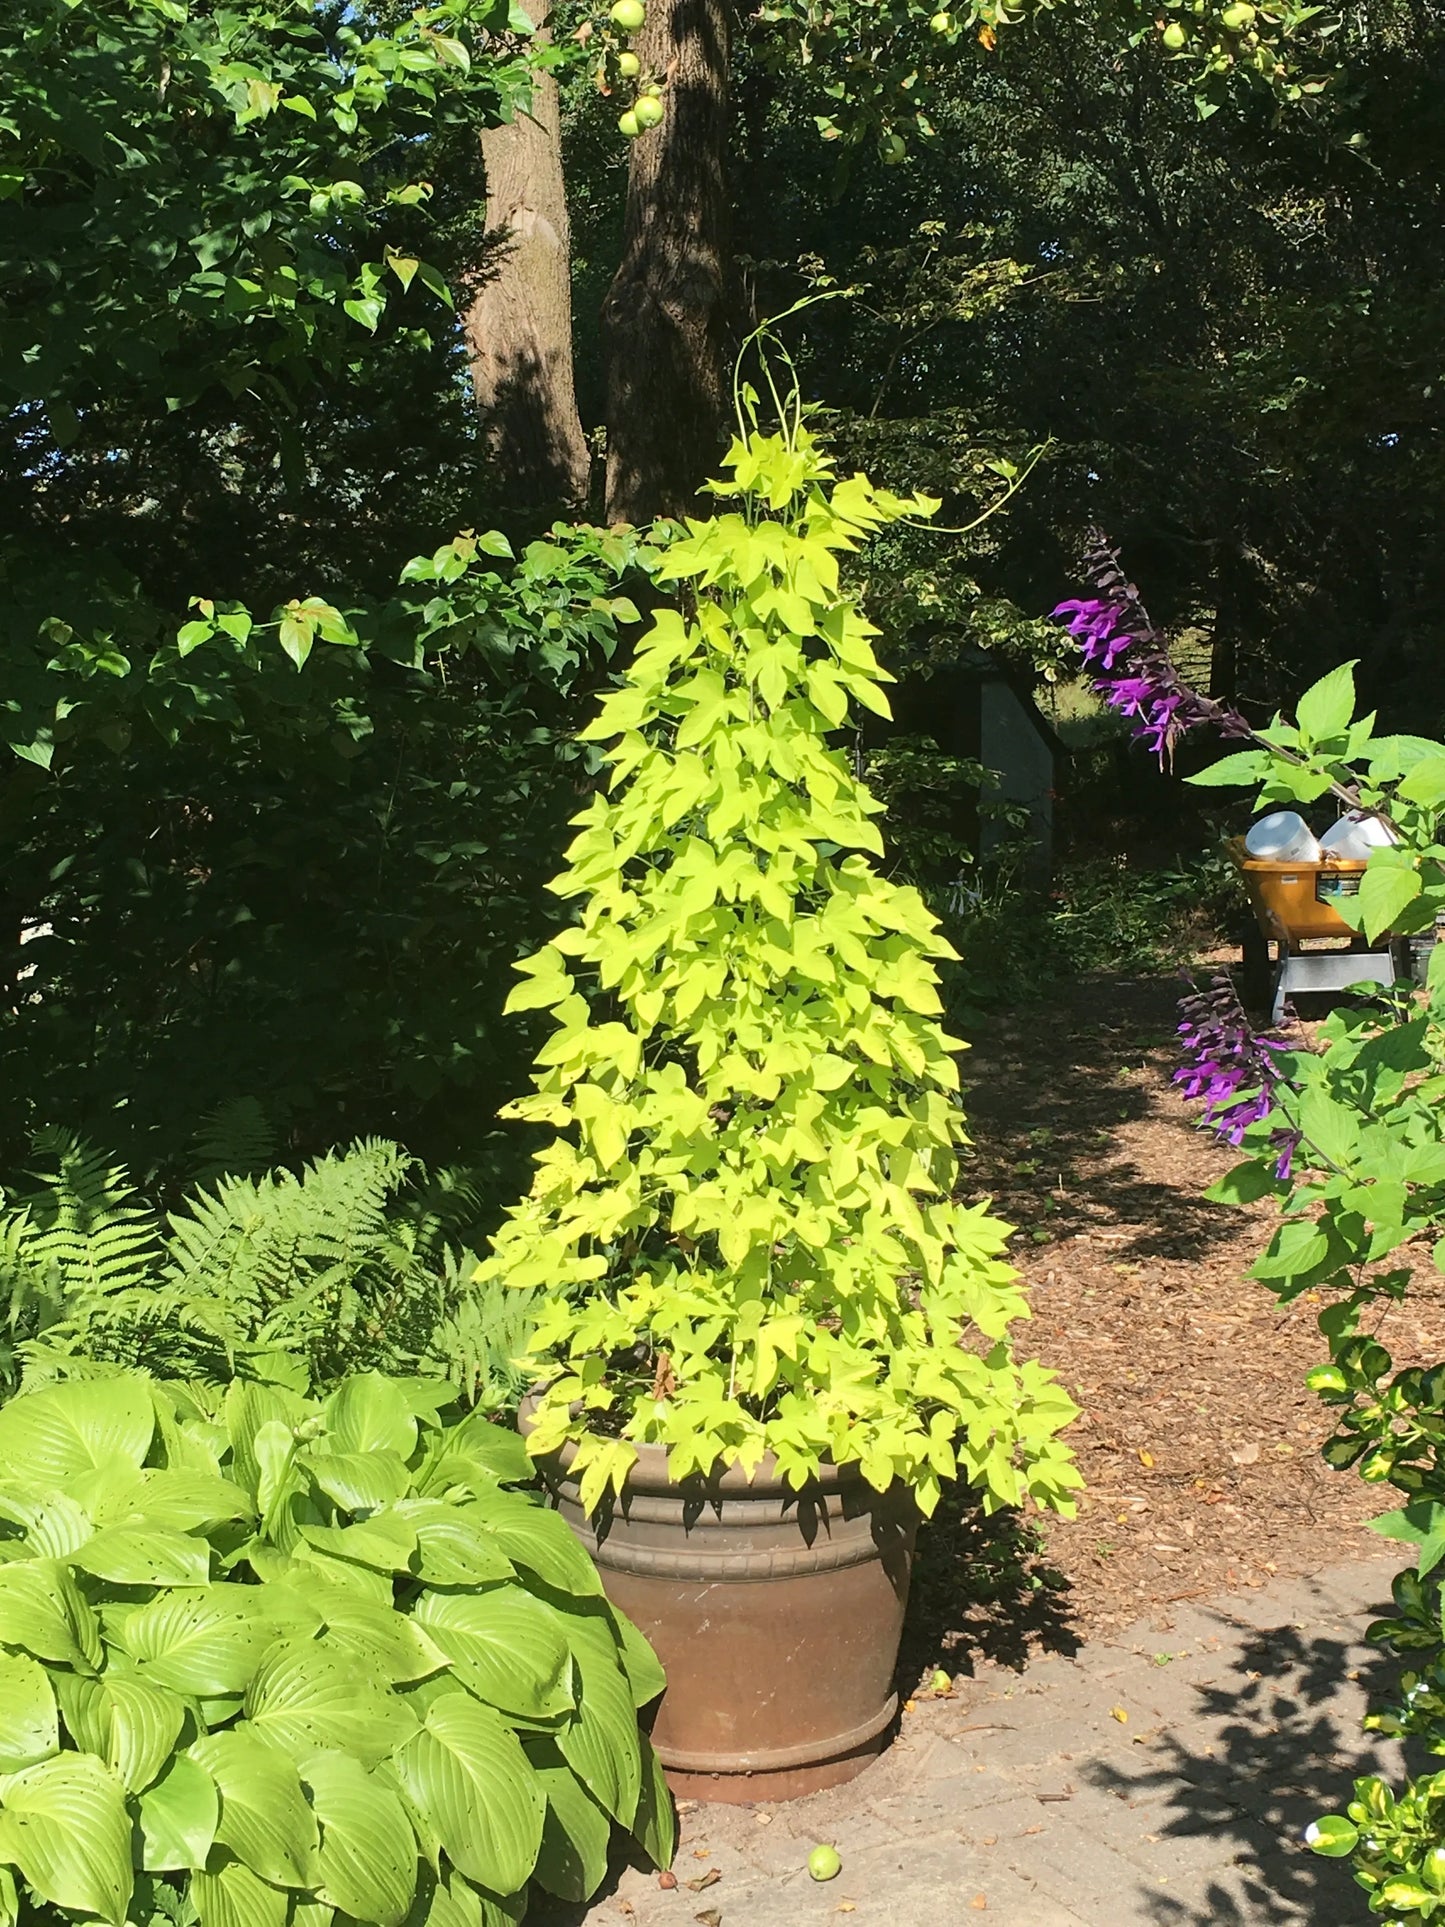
983	1591
1048	1095
1281	1751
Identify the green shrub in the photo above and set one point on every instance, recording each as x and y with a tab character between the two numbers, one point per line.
745	1219
357	1263
265	1660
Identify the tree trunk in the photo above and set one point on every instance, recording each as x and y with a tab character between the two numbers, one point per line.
518	324
664	321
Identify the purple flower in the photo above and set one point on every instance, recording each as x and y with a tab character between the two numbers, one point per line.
1227	1067
1133	670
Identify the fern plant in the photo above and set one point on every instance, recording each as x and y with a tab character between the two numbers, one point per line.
359	1262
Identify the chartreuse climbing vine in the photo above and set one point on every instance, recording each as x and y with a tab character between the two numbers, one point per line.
745	1214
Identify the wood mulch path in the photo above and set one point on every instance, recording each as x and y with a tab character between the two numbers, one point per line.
1199	1440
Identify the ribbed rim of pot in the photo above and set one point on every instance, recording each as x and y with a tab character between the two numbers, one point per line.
649	1474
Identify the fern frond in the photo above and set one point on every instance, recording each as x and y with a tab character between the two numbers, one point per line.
237	1139
85	1230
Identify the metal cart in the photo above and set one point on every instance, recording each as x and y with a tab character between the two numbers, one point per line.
1294	906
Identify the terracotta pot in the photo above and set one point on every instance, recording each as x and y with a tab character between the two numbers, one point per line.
777	1615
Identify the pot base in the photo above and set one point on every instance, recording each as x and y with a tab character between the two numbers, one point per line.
788	1773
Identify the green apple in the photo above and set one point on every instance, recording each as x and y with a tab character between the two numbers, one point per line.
824	1863
647	110
628	65
1175	38
627	14
628	125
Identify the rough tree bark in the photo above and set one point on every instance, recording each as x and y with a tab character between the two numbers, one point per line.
518	324
664	321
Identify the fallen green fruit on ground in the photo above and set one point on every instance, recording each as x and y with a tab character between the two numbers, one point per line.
628	14
942	1682
824	1863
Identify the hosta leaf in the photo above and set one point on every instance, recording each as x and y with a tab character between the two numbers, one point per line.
453	1548
265	1820
249	1407
76	1425
232	1896
368	1855
534	1536
641	1665
178	1817
183	1500
370	1413
385	1541
359	1481
29	1726
655	1823
496	1447
43	1611
54	1526
474	1787
201	1642
505	1646
305	1698
143	1556
129	1723
387	1642
601	1742
64	1825
576	1833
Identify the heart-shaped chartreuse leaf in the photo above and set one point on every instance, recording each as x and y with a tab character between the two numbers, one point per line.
178	1816
29	1728
506	1646
129	1723
385	1541
180	1499
453	1547
370	1413
265	1819
53	1525
601	1742
538	1539
249	1409
474	1789
368	1854
357	1481
230	1895
75	1426
363	1632
207	1642
145	1556
576	1832
44	1612
306	1697
64	1825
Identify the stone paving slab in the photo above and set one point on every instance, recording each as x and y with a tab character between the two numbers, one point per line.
1027	1801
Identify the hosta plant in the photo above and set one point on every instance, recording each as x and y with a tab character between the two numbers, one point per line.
744	1217
276	1661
